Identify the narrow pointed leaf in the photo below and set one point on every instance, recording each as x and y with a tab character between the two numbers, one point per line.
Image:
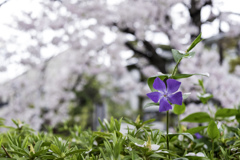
148	121
38	146
136	140
55	149
195	42
179	76
76	151
101	124
25	142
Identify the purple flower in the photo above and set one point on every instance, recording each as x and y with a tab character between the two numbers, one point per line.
166	94
198	135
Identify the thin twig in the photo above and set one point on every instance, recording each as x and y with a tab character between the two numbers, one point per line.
6	151
3	3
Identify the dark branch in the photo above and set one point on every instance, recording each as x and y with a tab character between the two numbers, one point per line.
3	2
213	100
150	54
125	30
140	53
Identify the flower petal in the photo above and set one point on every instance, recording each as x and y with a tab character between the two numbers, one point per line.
198	135
176	98
158	84
154	96
172	85
164	105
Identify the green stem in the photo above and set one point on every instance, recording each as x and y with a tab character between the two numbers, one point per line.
167	130
212	148
179	129
176	68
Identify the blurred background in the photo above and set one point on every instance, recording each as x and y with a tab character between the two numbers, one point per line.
71	61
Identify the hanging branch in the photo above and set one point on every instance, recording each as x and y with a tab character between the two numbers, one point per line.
3	2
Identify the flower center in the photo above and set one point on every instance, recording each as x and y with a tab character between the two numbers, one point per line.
165	95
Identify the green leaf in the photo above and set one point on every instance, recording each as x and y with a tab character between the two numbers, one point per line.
136	140
222	150
200	82
102	134
188	135
20	153
212	130
111	124
25	142
238	117
181	158
38	146
55	149
176	76
134	155
195	42
148	121
154	155
118	124
151	80
196	129
205	97
179	76
41	152
48	157
101	124
15	122
102	153
198	117
76	151
151	104
189	54
129	121
177	55
226	112
167	152
179	109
